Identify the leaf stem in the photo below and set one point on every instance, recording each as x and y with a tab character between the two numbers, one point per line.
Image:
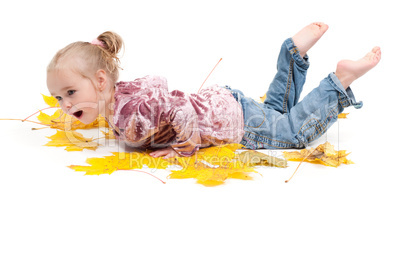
147	173
300	164
40	128
209	75
24	121
38	112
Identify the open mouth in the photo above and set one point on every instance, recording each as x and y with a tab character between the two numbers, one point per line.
77	114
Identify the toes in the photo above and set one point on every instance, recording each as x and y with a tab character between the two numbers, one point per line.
375	54
376	49
322	26
378	53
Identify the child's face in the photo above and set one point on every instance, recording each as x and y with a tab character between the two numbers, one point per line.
77	95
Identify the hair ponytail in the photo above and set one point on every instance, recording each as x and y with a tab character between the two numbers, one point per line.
112	42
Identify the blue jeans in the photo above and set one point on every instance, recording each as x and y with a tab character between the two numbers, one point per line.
284	122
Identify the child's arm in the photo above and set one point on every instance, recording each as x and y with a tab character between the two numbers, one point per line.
144	107
188	139
185	124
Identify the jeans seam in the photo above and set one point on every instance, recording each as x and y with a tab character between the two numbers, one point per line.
249	141
271	145
261	122
310	138
274	140
301	62
314	125
288	85
343	100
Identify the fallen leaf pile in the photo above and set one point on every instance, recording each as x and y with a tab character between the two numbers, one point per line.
209	166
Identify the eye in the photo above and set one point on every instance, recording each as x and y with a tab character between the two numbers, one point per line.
58	98
71	92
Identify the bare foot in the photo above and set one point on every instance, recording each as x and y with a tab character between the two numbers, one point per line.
348	71
308	36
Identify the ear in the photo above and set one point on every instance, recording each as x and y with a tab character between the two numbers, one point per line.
101	80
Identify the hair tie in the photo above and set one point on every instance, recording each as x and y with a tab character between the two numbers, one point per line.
98	42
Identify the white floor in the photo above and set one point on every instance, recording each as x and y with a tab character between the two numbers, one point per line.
346	216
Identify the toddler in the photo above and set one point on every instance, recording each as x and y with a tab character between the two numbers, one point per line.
144	114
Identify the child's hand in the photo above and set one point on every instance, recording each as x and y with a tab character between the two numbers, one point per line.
166	152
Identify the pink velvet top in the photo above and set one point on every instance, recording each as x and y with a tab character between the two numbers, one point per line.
147	115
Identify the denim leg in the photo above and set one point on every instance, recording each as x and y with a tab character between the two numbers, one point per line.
306	121
287	85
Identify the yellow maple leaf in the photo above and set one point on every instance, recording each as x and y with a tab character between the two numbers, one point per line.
73	141
107	164
211	176
217	155
51	101
49	119
97	166
324	154
120	161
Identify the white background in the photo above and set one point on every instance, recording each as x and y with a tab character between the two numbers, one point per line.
348	216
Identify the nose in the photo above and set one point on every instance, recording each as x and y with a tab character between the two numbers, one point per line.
66	106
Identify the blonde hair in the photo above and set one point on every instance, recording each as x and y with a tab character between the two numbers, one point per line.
93	57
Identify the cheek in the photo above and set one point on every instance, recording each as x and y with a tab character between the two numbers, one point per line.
91	97
88	107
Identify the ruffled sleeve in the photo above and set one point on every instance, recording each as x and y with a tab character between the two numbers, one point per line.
147	115
138	112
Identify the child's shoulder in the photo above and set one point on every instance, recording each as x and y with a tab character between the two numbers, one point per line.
149	82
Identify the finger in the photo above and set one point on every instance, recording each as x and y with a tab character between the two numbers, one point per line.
158	153
171	154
